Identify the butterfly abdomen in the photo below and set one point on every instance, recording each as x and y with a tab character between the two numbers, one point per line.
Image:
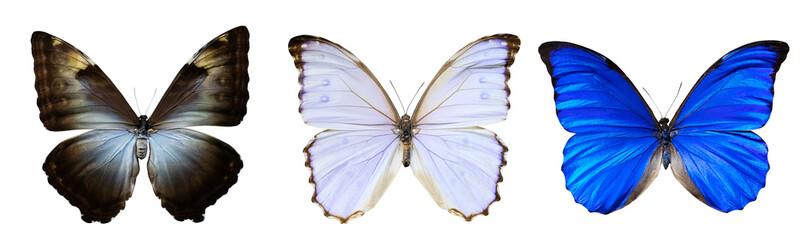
141	147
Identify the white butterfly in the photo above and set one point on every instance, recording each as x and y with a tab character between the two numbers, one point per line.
355	159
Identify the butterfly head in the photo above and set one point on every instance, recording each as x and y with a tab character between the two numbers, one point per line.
663	123
144	126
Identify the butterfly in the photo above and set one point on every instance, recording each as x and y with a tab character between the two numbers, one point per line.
355	159
619	144
96	171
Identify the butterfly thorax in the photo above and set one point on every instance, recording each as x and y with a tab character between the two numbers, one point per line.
142	132
405	131
665	135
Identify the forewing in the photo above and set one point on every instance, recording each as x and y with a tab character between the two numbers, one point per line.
211	89
338	91
460	168
190	170
735	94
73	92
470	89
592	94
728	168
95	172
351	169
614	154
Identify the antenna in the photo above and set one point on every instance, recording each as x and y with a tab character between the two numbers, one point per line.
676	97
654	102
398	96
137	101
415	95
151	101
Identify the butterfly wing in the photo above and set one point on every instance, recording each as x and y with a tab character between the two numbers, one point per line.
190	170
73	92
211	89
338	90
470	89
353	165
613	155
720	158
351	169
460	168
95	172
457	162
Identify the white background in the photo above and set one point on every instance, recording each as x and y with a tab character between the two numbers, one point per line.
142	45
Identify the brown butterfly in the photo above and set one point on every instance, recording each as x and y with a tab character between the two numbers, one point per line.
96	170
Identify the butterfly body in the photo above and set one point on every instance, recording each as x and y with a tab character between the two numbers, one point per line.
142	132
405	132
665	135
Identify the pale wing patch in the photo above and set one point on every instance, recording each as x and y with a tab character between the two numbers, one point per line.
351	169
460	168
338	92
470	89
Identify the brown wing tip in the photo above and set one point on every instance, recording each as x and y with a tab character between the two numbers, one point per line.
38	35
296	46
239	30
38	38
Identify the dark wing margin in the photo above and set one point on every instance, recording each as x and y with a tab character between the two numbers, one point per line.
95	172
211	89
190	170
73	92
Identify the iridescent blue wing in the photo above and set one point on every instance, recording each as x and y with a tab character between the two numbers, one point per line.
723	160
611	159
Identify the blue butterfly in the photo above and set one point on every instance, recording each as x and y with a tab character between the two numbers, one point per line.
619	144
